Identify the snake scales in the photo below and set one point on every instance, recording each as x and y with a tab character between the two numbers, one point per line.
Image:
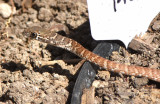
51	38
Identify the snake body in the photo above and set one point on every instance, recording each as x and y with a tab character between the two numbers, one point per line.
57	40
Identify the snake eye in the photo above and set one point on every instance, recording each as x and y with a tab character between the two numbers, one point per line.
33	35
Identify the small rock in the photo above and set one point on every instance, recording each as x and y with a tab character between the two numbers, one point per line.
6	10
156	25
140	81
45	14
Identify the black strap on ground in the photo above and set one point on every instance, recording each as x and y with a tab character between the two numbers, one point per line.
88	71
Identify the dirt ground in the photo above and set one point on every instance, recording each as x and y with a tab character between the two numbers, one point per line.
24	81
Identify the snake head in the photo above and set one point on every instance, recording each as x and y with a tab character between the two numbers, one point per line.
32	33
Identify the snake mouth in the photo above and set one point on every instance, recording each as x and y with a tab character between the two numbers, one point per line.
28	36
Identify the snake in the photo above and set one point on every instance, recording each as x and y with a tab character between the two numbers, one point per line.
52	38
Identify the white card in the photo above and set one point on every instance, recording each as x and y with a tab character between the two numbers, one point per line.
130	19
